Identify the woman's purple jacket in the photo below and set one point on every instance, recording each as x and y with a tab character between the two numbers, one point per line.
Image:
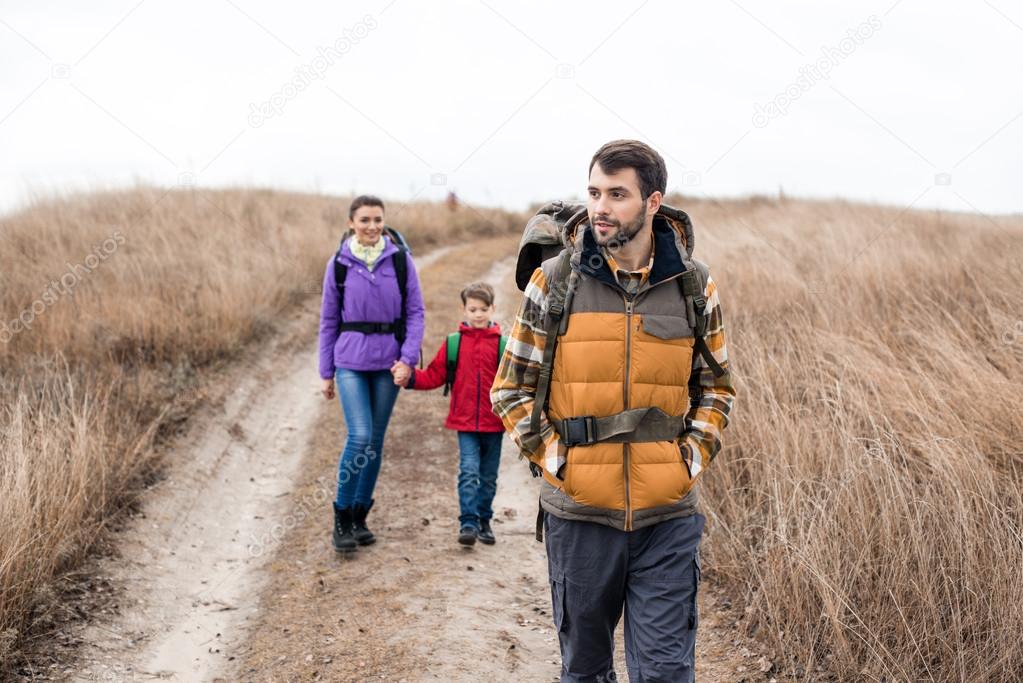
369	297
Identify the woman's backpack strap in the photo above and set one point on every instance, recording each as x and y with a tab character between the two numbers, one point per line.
400	260
340	273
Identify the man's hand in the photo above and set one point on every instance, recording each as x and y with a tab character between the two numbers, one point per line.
401	373
328	389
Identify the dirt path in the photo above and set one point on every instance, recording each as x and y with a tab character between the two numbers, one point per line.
189	559
229	575
189	565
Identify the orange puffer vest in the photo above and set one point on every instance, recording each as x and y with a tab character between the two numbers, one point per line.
615	355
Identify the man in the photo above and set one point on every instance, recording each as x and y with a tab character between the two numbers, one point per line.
622	529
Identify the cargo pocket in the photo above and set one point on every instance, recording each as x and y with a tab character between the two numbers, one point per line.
693	605
666	326
558	601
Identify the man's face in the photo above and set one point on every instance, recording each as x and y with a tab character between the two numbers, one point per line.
616	208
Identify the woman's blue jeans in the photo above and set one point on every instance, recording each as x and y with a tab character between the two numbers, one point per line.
367	399
479	458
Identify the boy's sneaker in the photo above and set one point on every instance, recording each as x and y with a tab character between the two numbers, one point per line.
467	535
486	534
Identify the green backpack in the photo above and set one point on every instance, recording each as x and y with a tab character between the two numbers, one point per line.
452	344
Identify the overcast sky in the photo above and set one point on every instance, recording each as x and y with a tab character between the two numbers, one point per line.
909	103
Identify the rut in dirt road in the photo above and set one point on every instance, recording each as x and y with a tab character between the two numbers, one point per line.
191	565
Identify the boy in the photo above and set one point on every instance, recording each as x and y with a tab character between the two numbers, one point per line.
471	355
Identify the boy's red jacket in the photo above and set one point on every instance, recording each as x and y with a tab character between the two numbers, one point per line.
470	396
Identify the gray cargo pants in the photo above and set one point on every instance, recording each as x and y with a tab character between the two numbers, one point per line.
653	573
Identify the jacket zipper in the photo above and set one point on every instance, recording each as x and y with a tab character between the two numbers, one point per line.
476	360
625	397
629	306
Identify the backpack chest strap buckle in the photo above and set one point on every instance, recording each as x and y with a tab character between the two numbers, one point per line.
578	431
636	425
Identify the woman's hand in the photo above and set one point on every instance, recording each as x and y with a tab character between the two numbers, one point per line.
401	372
328	389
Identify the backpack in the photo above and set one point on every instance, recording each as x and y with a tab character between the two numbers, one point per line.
551	232
451	346
400	261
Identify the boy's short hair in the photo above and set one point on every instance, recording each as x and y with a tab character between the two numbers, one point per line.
478	290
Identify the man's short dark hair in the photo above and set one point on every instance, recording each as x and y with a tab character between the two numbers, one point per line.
649	165
364	200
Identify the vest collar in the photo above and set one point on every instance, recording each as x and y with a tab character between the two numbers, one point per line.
668	259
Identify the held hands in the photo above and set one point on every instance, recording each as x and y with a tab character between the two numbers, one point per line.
401	372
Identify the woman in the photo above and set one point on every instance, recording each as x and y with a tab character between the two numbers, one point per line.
368	347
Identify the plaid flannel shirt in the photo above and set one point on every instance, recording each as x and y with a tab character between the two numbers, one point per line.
514	388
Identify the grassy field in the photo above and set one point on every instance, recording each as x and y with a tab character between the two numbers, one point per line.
867	506
869	496
113	306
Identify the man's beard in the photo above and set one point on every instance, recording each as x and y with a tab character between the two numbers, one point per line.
624	233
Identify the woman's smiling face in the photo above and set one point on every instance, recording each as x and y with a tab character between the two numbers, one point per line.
368	223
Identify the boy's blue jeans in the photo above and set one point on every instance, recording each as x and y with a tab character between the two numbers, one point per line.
367	398
479	459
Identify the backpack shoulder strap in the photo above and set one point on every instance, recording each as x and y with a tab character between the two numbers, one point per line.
400	260
501	344
398	238
559	301
340	274
451	347
692	285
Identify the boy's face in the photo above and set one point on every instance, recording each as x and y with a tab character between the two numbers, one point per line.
477	313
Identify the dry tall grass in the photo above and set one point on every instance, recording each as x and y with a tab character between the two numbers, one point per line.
869	497
120	299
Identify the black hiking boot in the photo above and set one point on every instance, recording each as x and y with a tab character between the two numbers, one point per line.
363	536
467	535
486	534
344	539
